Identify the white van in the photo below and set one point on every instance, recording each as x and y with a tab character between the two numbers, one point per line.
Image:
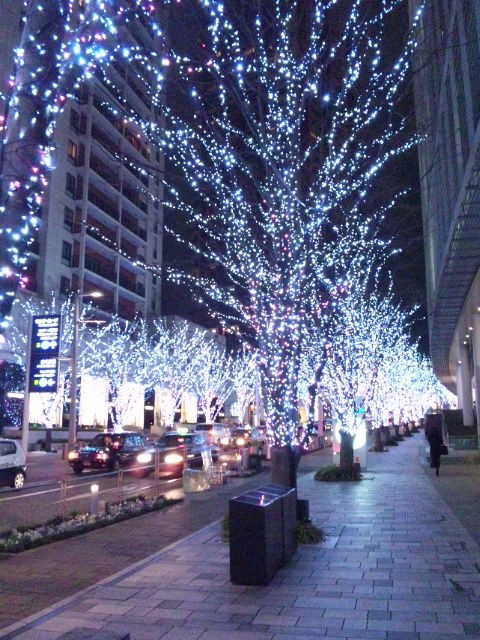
13	464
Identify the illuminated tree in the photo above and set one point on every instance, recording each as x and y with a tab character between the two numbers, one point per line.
245	382
173	364
365	325
281	119
119	352
212	380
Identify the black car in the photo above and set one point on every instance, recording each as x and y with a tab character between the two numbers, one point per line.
111	451
174	451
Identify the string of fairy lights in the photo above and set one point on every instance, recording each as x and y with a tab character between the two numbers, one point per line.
288	125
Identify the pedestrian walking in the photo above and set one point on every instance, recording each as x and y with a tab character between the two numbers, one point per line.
434	435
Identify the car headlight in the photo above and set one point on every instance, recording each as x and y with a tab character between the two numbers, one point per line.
102	455
225	440
240	442
72	455
173	458
144	458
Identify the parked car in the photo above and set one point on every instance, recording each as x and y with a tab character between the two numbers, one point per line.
111	451
176	451
13	463
214	432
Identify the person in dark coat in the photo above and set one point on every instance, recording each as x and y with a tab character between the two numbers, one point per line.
434	435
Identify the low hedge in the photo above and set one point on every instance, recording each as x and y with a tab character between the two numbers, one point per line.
333	473
58	528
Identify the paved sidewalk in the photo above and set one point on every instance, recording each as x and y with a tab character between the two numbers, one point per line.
397	565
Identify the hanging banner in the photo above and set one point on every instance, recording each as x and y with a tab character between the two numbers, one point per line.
44	352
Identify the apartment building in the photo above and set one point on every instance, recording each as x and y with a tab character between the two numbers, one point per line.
101	226
447	94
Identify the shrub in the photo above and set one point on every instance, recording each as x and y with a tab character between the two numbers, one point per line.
58	528
308	533
337	474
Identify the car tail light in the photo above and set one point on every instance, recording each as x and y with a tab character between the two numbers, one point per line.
173	458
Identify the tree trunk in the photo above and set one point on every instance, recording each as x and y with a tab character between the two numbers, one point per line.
378	446
285	461
346	450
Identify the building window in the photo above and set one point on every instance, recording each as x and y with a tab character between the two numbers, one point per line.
67	253
72	151
70	185
74	120
68	218
65	287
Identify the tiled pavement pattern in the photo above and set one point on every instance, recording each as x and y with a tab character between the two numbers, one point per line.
397	565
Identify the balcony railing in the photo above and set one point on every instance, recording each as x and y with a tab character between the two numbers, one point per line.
135	287
134	198
95	267
104	172
101	237
103	204
141	233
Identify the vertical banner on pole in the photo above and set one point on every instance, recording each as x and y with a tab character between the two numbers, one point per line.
44	352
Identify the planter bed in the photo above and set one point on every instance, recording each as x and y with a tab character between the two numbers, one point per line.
23	538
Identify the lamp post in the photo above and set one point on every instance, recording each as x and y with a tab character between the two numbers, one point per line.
72	424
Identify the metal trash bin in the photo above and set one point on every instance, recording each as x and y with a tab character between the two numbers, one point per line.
262	524
289	499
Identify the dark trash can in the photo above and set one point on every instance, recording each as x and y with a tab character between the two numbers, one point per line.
262	533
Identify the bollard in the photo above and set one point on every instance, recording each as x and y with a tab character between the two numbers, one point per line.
356	468
63	497
94	499
120	486
245	453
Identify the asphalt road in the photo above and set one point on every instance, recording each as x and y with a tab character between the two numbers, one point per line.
52	489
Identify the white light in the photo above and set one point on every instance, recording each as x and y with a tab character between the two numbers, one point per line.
144	458
173	458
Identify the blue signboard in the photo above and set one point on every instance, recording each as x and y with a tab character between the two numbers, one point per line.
44	352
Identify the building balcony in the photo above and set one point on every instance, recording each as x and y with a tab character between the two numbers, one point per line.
102	203
134	197
131	285
133	227
105	239
107	272
106	173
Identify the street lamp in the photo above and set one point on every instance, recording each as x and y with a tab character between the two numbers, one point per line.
72	424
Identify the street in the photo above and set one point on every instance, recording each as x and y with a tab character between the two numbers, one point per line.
52	489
